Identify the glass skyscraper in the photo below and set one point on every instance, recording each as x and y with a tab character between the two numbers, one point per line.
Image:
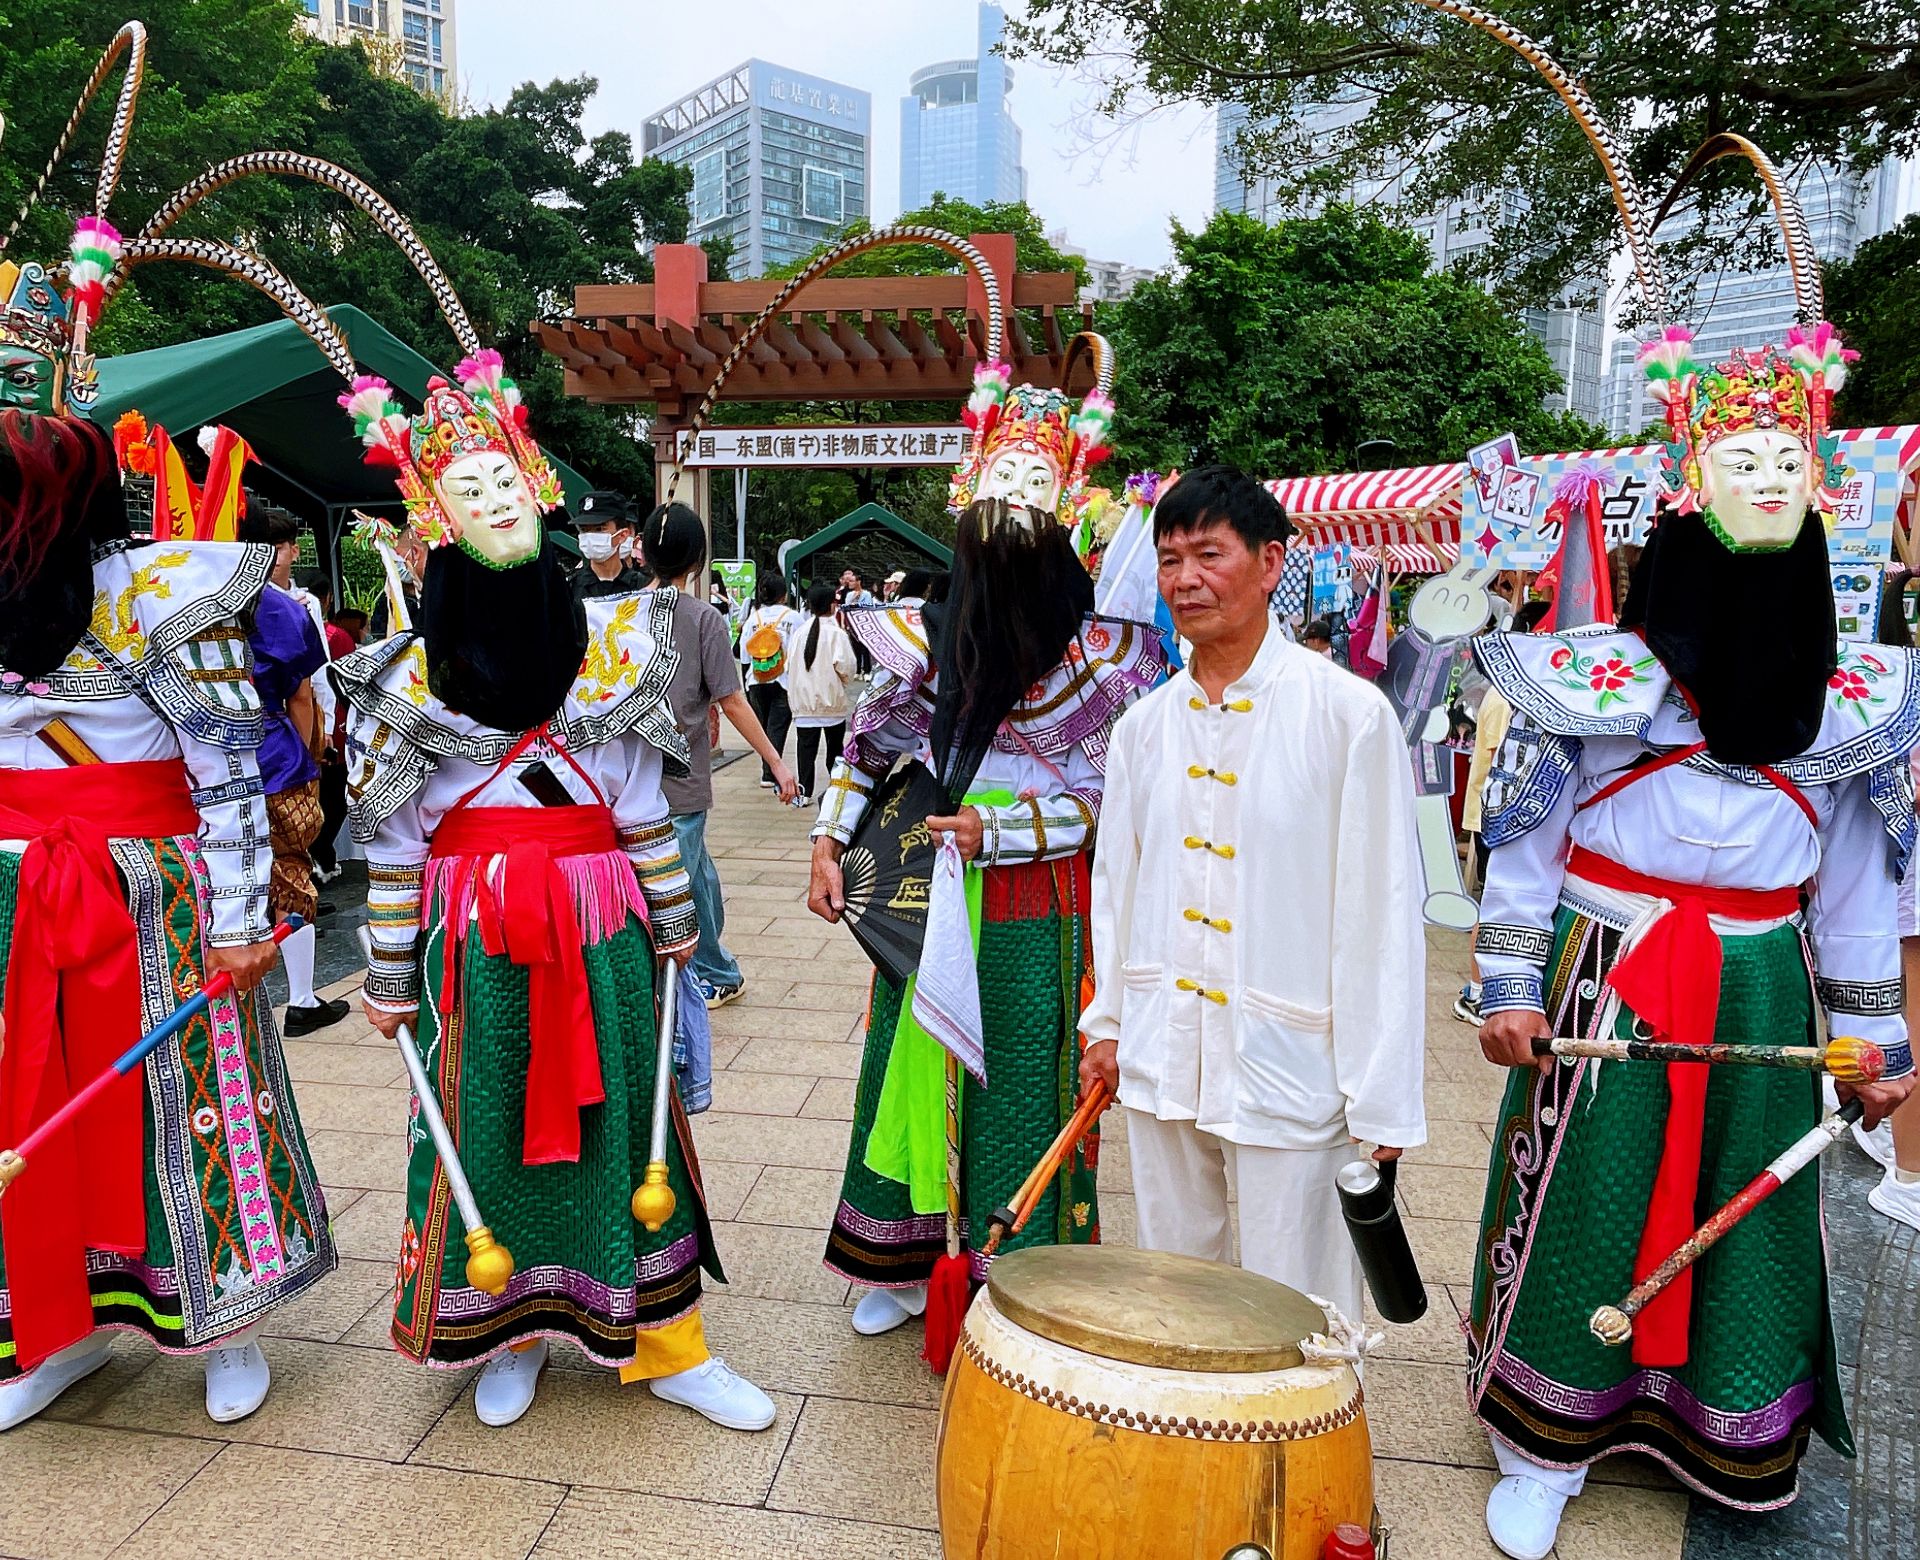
781	161
957	137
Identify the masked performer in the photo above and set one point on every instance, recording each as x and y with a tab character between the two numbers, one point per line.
133	866
506	760
1007	690
1689	815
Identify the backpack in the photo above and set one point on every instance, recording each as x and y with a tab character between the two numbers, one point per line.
767	652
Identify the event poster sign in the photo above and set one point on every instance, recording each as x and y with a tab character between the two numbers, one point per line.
738	575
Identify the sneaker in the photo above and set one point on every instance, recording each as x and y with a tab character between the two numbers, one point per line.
766	785
1466	1006
1877	1145
309	1020
719	996
1523	1517
714	1388
237	1382
1899	1200
25	1396
326	875
505	1389
801	799
882	1310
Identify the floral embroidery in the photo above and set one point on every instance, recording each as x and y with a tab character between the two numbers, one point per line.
610	666
1605	675
1098	639
1855	683
409	1262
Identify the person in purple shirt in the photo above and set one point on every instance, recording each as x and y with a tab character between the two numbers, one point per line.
286	654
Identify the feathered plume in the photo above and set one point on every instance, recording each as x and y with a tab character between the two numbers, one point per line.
379	421
1090	426
1819	352
484	377
1669	365
95	251
991	384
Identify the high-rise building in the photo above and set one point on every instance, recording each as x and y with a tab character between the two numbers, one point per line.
414	38
1629	407
1572	331
957	136
1108	280
781	160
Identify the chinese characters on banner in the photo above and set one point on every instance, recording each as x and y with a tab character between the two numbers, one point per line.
877	446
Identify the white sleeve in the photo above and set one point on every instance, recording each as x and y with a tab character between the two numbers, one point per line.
1851	927
1116	873
1528	822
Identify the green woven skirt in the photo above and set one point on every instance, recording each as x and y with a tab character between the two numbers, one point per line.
236	1223
1032	959
1571	1175
584	1268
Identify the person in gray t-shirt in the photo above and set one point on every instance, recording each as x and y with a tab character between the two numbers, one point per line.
674	545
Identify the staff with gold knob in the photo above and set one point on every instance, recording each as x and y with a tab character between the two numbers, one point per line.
653	1199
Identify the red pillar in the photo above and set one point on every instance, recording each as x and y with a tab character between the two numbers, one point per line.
998	248
678	272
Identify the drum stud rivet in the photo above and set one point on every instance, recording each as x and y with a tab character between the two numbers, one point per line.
1191	1421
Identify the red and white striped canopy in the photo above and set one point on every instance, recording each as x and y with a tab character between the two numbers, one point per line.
1407	557
1411	505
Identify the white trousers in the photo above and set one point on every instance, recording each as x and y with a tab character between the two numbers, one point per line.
1290	1226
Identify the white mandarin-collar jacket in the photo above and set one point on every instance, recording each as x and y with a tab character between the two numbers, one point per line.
1258	942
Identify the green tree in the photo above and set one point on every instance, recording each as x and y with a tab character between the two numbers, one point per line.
1282	348
1874	299
1835	80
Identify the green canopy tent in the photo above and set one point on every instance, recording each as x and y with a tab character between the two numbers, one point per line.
274	388
863	531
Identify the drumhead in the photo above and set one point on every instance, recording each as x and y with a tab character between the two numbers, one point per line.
1154	1308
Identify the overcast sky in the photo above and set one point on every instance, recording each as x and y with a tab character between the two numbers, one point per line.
1114	198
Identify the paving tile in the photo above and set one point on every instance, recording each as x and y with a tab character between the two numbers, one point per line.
344	1107
726	1183
772	1263
793	1346
1430	1191
810	1058
324	1399
346	1061
585	1428
71	1490
1444	1249
772	1140
1433	1512
1613	1522
1462	1143
259	1500
856	1459
360	1161
1118	1221
1435	1338
370	1229
327	1312
651	1527
795	1025
832	1099
805	1199
1419	1411
760	1093
1476	1097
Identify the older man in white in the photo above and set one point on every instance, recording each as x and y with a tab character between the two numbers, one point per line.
1259	952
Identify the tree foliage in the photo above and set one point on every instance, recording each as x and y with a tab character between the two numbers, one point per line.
1833	80
1283	348
517	203
1875	300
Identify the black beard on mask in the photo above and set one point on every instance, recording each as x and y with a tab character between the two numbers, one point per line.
503	645
1014	603
44	613
1750	636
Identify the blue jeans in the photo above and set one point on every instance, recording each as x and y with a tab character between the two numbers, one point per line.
711	961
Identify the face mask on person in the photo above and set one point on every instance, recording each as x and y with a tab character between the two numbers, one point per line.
596	546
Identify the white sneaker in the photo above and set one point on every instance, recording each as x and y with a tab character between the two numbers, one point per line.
505	1390
882	1310
1897	1199
1877	1145
25	1396
1523	1517
714	1388
237	1382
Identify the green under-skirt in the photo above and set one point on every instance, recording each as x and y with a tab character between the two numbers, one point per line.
1031	961
236	1223
584	1268
1571	1175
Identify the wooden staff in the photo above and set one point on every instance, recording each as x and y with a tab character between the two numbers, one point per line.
14	1160
1845	1058
1012	1219
653	1199
1613	1324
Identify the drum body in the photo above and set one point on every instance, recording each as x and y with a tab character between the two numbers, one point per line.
1048	1449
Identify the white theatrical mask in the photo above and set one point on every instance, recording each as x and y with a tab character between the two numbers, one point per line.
1021	477
499	520
1758	485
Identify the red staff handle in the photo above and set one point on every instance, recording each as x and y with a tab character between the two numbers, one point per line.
13	1161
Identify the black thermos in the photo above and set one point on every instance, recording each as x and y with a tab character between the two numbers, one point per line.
1380	1239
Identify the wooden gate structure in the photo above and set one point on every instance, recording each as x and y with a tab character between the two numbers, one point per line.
848	338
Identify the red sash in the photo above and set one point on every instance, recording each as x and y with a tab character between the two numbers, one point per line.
72	1006
1671	980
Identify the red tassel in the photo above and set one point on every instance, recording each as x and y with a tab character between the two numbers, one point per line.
948	1295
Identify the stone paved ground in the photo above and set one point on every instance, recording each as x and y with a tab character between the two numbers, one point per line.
358	1453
